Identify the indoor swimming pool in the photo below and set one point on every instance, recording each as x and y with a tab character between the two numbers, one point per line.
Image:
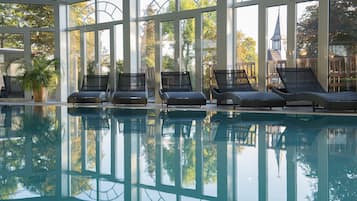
90	153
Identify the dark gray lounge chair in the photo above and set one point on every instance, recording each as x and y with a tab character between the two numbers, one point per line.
131	89
177	90
301	84
94	89
234	85
12	88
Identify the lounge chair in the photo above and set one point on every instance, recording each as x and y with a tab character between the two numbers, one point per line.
131	89
94	89
234	85
301	84
177	90
12	88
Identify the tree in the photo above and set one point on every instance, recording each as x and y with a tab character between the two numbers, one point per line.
343	18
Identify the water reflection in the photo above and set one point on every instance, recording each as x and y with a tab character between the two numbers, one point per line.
29	154
119	154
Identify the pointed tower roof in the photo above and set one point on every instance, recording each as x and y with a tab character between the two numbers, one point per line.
277	35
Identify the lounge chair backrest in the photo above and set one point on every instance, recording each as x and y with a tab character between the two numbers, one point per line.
95	83
13	88
299	80
232	80
176	81
131	82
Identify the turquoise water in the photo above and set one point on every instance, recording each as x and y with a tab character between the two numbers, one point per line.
60	153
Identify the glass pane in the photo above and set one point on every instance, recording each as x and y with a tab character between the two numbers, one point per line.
276	51
74	61
187	49
90	65
307	34
109	10
167	46
82	13
209	49
43	43
26	15
104	52
343	46
247	41
11	54
154	7
193	4
147	54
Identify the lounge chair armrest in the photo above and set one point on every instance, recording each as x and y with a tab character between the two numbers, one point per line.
279	91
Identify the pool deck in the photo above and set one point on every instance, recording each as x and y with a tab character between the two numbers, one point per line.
208	107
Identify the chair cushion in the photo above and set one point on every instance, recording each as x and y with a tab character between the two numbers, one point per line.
87	97
184	98
129	97
256	99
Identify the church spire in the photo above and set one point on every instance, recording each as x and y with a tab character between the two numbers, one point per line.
276	39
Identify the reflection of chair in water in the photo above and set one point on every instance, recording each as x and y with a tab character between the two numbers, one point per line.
179	123
7	113
231	128
92	118
133	120
12	88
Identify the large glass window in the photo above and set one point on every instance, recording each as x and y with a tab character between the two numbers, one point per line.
147	53
26	15
247	41
209	49
307	34
154	7
277	44
11	54
343	45
168	46
193	4
82	13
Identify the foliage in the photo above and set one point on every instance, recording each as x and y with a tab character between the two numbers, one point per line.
42	74
246	51
343	17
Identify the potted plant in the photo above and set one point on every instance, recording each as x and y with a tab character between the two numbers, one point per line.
40	77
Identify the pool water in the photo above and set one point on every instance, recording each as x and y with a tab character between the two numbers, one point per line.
60	153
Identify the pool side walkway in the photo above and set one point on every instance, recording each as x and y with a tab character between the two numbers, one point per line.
208	107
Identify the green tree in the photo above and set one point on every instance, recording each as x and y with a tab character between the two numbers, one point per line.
246	51
343	18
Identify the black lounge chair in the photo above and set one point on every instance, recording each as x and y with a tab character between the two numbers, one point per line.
301	84
94	89
234	85
177	90
12	88
131	89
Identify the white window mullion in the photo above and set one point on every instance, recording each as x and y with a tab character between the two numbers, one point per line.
291	34
323	41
